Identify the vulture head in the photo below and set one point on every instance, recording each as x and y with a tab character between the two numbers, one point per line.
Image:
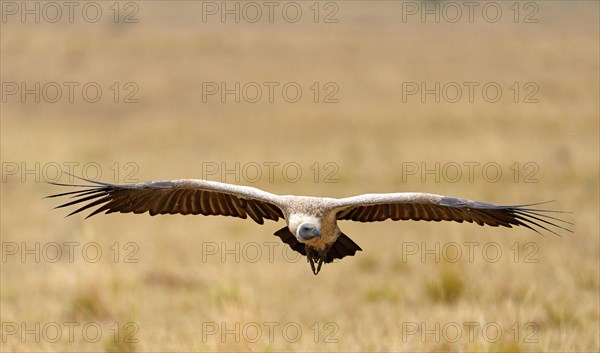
307	231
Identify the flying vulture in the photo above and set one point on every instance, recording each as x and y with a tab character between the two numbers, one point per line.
312	228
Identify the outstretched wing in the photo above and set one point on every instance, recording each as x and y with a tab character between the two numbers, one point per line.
185	196
430	207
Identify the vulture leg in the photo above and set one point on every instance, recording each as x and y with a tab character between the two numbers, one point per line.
322	258
315	257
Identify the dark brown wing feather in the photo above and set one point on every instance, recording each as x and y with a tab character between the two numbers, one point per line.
175	197
429	207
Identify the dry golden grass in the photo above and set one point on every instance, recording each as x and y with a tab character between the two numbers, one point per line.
173	294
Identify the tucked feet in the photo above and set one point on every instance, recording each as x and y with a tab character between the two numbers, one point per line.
317	257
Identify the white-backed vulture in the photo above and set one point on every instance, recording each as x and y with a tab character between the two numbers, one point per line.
312	228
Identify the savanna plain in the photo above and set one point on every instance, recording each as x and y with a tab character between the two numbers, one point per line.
193	283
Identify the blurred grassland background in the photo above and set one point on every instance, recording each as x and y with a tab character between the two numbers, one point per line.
368	134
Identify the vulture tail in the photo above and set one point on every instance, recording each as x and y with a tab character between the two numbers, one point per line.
342	247
289	238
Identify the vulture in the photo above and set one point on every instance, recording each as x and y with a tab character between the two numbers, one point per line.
312	222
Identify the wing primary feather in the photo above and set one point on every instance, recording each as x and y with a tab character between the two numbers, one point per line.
74	202
525	214
75	185
501	216
545	215
529	204
75	193
526	219
90	192
91	204
538	210
89	181
523	224
98	210
494	220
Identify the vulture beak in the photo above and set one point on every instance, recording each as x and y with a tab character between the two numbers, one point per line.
315	234
306	233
